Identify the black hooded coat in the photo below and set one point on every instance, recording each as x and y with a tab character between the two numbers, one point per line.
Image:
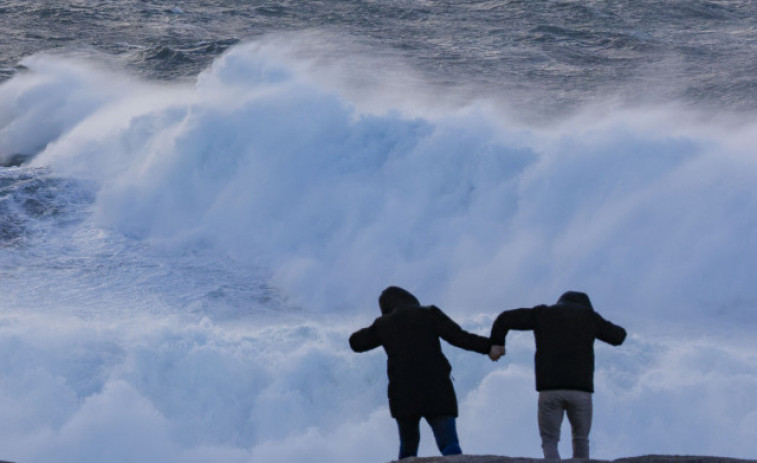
418	371
564	334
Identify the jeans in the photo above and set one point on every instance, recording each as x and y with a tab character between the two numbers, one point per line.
552	406
444	430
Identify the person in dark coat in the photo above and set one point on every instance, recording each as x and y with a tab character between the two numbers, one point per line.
419	373
564	362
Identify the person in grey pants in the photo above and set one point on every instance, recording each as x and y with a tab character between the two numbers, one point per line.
564	363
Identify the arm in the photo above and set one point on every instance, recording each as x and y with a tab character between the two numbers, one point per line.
518	319
609	332
365	339
458	337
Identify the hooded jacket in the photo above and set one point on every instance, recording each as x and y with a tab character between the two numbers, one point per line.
418	371
564	335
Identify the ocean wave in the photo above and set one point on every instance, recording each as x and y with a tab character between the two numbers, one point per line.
162	326
267	161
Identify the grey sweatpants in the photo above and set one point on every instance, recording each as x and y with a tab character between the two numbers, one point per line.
552	406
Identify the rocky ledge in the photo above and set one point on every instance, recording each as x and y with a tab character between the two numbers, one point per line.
642	459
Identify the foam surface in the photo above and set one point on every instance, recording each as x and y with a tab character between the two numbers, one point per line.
231	233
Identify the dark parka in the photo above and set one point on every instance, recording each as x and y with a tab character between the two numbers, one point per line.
418	371
564	334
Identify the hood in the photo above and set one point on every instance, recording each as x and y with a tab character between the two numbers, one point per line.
575	297
393	297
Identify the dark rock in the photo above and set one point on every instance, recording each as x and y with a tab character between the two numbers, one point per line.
641	459
14	160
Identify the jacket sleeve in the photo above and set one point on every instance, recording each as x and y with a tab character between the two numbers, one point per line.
608	332
451	332
517	319
365	339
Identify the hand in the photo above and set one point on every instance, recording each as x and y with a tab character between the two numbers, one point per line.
496	352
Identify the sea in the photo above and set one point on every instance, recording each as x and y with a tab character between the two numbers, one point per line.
200	200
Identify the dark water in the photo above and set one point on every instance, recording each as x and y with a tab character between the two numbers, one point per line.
554	55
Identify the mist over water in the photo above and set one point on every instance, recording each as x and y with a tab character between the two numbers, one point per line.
214	243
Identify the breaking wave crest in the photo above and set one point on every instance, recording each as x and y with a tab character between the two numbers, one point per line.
276	178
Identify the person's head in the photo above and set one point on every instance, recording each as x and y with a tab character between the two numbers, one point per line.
575	297
393	297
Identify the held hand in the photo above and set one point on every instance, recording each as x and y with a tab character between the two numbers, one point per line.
496	352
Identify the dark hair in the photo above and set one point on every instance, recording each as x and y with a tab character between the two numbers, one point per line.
394	296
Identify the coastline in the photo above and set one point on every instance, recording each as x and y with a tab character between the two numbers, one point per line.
639	459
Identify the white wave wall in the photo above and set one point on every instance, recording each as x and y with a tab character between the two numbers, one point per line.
269	165
288	167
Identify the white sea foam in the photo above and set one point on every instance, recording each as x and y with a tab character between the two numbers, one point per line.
171	390
134	343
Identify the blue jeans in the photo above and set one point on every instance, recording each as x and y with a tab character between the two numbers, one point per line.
444	430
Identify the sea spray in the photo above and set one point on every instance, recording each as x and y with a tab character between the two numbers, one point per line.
264	165
127	335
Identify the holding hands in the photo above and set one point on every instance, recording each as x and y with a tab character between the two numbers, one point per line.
496	352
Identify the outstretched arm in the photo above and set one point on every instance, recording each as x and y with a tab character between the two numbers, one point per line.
365	339
451	332
518	319
609	332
